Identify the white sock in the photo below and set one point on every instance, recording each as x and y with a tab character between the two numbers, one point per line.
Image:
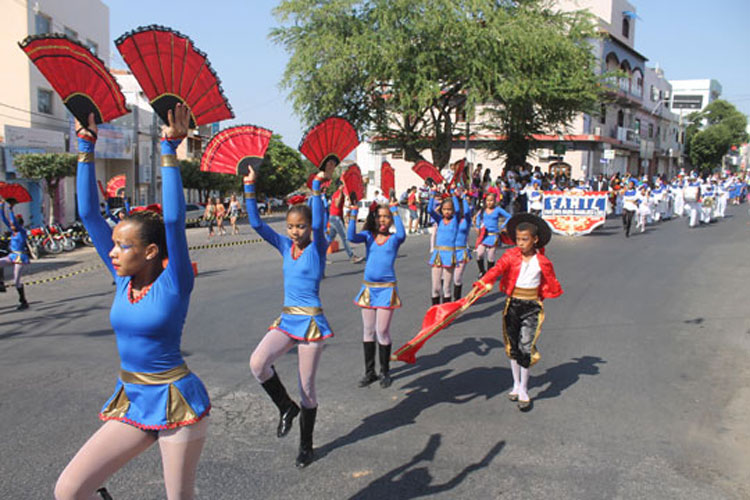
523	394
515	369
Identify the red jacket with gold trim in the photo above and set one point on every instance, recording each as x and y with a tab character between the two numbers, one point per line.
509	267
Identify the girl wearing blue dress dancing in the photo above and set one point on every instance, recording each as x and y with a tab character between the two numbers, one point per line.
443	258
157	398
378	296
488	223
18	256
302	323
463	253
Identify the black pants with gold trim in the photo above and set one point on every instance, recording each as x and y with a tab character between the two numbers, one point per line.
522	322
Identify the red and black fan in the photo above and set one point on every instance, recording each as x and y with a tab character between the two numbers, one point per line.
458	174
323	185
334	138
387	178
78	76
427	170
234	149
14	193
171	70
116	186
353	184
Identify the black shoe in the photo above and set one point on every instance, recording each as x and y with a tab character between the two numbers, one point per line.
524	406
435	301
370	377
22	304
384	352
104	494
306	428
446	299
2	286
480	265
457	289
288	409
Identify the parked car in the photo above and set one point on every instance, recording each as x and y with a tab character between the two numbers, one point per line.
263	207
363	210
193	214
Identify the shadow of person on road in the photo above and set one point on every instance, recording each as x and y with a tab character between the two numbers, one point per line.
409	481
429	390
471	345
562	376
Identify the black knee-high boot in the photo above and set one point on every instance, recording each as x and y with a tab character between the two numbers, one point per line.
436	300
288	409
384	352
490	264
480	265
370	375
457	292
104	494
446	299
22	304
306	428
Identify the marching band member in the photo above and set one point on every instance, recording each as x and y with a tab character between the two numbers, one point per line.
692	195
629	205
535	198
708	200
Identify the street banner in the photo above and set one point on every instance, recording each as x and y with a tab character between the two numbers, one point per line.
574	213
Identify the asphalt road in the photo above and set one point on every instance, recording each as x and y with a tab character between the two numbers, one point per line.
641	391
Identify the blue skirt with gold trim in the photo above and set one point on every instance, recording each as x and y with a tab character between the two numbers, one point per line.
463	254
443	257
378	296
303	327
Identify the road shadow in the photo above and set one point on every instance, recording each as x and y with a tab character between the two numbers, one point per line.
432	389
32	324
49	263
562	376
471	345
413	479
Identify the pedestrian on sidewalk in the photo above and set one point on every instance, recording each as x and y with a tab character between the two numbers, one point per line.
221	212
209	215
302	323
234	213
527	278
18	256
378	296
157	398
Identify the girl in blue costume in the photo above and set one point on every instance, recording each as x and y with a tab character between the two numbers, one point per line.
488	223
157	399
124	211
443	258
302	323
378	296
463	253
18	256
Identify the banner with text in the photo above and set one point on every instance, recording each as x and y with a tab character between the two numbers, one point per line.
574	212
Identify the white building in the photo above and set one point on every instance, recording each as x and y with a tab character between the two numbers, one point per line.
689	96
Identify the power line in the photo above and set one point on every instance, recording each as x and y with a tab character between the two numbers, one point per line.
49	117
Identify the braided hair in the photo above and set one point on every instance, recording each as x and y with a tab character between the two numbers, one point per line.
151	229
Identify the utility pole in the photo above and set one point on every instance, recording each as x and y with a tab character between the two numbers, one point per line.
136	154
154	145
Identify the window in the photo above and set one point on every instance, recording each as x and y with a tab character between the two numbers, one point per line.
70	33
92	46
43	24
650	130
620	119
626	27
637	126
654	94
44	101
603	115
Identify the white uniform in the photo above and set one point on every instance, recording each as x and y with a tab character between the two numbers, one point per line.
691	194
708	201
678	201
723	198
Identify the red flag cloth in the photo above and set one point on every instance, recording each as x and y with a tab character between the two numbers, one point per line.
427	170
436	318
352	179
481	235
116	186
387	179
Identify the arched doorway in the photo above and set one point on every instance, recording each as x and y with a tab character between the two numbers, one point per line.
560	168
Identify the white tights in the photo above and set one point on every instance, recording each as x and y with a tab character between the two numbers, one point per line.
489	251
377	322
458	274
116	443
446	275
274	345
17	269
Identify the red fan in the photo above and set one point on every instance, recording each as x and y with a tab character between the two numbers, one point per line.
458	174
14	193
171	70
296	199
323	185
387	178
352	180
334	138
116	186
427	170
154	207
78	76
232	150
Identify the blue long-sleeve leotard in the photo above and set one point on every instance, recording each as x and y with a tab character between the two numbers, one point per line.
149	331
444	253
379	289
491	223
18	238
302	275
462	235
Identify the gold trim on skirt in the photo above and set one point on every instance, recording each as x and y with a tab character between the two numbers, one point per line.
302	310
157	378
525	293
249	196
86	158
169	160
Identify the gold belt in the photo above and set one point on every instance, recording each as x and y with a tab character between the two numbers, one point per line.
157	378
372	284
302	310
492	234
525	293
446	249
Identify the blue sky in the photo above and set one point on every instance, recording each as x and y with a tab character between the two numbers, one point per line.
690	39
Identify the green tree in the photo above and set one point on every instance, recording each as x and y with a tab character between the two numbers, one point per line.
712	132
50	167
410	70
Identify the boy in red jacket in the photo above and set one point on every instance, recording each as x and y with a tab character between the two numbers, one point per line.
528	278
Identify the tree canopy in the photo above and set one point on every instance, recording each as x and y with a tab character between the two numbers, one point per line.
410	70
50	167
712	132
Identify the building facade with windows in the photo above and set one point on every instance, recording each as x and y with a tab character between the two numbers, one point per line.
33	118
689	96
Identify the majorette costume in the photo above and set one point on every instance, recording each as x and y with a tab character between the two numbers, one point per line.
302	316
489	225
18	251
526	284
155	389
379	289
444	253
